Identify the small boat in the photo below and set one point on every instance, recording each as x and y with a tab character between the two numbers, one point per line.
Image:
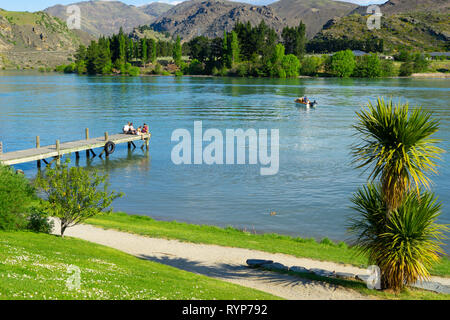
307	104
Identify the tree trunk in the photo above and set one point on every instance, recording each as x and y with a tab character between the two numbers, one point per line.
63	228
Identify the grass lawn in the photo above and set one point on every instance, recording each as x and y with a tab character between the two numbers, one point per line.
34	266
308	248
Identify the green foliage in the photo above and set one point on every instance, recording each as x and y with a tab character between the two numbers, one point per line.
16	195
38	221
406	69
234	47
177	53
388	68
194	68
341	64
294	40
421	63
403	244
368	66
397	146
74	194
310	66
291	65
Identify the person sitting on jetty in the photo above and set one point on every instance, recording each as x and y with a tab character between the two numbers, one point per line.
132	130
126	128
145	129
139	131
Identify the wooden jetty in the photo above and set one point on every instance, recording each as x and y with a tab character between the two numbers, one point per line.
57	150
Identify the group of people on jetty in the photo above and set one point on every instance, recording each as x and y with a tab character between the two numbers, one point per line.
129	129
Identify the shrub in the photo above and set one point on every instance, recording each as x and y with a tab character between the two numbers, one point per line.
38	221
133	71
368	66
310	65
406	69
16	194
388	68
420	63
194	68
341	64
178	73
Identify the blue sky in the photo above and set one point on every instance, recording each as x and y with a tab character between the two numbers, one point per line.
36	5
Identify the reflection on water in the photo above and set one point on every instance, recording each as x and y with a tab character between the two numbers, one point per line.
316	179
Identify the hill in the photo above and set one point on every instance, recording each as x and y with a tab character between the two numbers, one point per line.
314	13
422	31
211	17
36	39
155	9
105	17
408	6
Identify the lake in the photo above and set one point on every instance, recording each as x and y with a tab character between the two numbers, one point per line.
311	192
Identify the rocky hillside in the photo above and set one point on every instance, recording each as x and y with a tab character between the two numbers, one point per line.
155	9
36	39
409	6
314	13
429	31
211	17
105	17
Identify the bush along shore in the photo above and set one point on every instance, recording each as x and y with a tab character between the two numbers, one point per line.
248	51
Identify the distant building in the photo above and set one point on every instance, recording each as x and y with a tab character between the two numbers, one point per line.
387	57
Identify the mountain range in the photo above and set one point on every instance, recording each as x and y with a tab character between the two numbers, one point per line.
205	17
107	17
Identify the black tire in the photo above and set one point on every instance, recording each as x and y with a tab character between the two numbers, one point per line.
110	147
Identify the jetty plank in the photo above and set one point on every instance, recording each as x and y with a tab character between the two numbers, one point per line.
35	154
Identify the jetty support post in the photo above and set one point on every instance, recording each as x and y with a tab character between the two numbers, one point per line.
147	142
87	138
1	147
38	145
58	157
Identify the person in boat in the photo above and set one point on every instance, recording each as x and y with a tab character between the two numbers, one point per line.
126	128
306	100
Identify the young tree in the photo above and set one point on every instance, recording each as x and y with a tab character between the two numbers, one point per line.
177	52
234	47
144	52
75	194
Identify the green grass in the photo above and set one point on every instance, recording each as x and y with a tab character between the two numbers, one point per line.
34	266
299	247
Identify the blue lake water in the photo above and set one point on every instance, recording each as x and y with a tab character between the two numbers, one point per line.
310	193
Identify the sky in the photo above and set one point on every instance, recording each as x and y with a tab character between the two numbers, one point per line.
36	5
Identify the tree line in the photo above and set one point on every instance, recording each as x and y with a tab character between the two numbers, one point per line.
120	53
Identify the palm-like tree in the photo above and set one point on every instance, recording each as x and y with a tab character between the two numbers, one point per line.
405	244
396	223
398	146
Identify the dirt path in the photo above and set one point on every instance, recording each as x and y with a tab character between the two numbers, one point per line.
224	263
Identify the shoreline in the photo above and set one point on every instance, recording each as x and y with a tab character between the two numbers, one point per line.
425	75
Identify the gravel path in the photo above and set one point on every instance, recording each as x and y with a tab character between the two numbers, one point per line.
224	263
